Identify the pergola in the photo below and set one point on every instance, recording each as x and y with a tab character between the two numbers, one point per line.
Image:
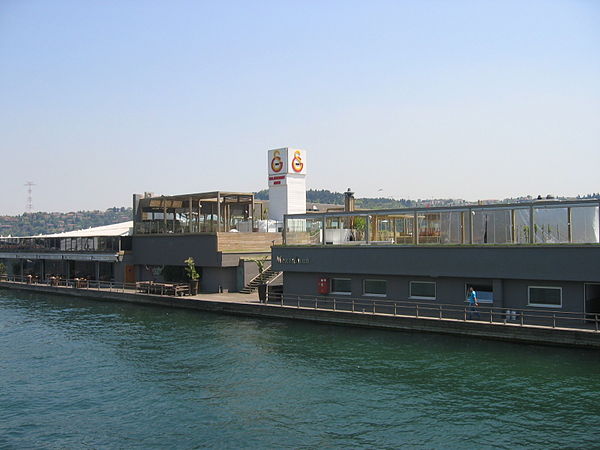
196	213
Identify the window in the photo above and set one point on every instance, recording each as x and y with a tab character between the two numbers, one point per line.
375	287
422	289
341	286
545	296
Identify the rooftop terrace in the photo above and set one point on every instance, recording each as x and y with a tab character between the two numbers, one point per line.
538	222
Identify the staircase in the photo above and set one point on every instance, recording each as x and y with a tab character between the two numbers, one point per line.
262	278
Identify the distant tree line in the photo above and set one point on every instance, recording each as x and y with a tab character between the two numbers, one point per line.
32	224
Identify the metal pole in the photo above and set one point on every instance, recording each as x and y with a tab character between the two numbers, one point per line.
417	311
531	225
395	308
440	306
554	320
334	303
353	308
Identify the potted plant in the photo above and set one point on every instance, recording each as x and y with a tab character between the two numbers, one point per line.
2	272
192	274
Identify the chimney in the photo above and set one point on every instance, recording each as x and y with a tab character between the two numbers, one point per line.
348	200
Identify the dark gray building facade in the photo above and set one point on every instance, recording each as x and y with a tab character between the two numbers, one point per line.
549	259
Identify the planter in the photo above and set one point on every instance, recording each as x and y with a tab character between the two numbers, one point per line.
262	293
194	287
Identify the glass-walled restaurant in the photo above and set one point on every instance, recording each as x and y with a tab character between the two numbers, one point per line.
206	212
66	244
541	222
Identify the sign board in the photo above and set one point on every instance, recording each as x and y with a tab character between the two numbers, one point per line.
284	161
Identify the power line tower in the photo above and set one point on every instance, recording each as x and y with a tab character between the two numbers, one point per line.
29	185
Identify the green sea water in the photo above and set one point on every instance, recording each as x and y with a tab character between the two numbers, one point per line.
76	373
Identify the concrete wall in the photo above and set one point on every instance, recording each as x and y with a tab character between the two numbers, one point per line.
507	293
172	250
215	277
510	271
551	262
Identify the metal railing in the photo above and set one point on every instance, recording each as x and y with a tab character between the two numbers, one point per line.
442	311
162	289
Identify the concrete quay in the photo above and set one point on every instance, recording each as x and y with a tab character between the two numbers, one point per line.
248	305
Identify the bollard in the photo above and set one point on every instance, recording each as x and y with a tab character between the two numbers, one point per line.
554	320
298	301
440	306
417	311
395	308
334	303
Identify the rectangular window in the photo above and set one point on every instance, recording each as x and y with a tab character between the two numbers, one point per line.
341	286
423	289
375	287
545	296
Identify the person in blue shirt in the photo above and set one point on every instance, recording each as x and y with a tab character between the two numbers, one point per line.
473	304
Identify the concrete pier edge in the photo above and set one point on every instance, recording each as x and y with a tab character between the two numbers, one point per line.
504	332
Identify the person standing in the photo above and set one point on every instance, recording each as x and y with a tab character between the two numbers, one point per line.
473	304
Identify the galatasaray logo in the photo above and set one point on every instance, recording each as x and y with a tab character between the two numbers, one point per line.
297	164
276	163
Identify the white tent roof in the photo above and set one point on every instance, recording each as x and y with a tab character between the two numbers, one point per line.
116	229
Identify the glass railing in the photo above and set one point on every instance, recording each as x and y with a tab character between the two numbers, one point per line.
546	222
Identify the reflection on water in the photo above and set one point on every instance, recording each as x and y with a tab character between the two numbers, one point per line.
78	373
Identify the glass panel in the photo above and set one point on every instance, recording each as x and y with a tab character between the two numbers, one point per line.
422	289
584	224
304	231
404	224
521	226
384	231
429	228
451	227
336	230
551	225
341	285
545	296
375	287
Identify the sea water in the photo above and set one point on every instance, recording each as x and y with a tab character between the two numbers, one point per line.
76	373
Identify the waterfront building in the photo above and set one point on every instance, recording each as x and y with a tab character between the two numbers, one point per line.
99	253
224	232
543	254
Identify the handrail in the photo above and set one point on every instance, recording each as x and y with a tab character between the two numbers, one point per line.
442	311
163	289
279	275
259	275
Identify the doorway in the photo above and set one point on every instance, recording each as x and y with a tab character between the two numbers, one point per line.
592	298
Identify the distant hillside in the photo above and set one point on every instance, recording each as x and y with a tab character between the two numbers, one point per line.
337	198
31	224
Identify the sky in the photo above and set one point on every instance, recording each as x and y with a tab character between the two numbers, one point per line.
469	99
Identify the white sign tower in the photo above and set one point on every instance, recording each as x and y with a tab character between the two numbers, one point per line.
287	182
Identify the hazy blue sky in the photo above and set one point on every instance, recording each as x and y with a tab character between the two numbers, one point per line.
414	99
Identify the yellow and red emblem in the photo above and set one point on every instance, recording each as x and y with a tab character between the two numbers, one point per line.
297	164
276	162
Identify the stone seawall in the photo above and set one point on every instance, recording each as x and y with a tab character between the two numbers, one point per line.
506	332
